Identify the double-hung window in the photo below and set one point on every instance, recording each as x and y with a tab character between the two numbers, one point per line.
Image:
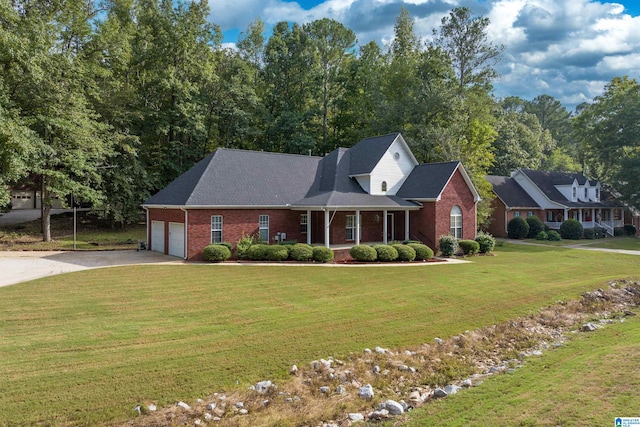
216	229
351	227
304	222
264	227
456	222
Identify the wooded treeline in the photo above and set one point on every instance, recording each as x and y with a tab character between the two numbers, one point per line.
110	101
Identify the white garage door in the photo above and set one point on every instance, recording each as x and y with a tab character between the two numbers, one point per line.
176	239
157	236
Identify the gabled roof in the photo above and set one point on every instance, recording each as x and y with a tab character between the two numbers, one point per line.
546	181
366	154
333	187
230	177
427	181
510	192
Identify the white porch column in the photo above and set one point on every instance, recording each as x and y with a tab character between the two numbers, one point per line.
406	224
566	214
580	215
326	228
357	227
308	227
384	227
622	215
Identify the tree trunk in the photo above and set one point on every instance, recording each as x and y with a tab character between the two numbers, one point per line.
45	213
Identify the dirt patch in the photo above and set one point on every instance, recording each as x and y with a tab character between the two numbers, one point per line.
328	389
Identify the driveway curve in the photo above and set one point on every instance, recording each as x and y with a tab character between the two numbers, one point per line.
16	267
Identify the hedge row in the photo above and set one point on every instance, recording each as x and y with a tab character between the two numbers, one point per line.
388	253
263	252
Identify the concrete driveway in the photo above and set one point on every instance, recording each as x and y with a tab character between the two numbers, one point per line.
16	267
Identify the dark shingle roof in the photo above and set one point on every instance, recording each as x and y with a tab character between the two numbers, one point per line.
366	153
241	178
546	182
510	192
334	188
427	181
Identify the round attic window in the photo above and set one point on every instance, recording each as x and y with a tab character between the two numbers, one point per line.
396	155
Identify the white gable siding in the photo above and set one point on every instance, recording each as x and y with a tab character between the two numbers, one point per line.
533	191
567	191
391	170
364	181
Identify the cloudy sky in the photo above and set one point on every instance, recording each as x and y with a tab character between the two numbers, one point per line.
568	49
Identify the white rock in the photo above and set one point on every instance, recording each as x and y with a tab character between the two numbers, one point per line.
467	383
376	369
380	350
325	389
393	407
208	417
211	406
356	417
138	409
184	405
293	370
451	389
438	340
366	392
240	405
263	386
340	390
200	401
367	350
152	407
439	393
243	412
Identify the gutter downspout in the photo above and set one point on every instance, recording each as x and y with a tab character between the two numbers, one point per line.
146	210
186	233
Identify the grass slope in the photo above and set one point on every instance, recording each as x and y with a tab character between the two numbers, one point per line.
590	381
84	348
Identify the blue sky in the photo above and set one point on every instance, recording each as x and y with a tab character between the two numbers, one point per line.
569	49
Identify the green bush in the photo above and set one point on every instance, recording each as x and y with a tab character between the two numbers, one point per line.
486	241
469	247
618	231
600	233
277	253
405	252
216	253
571	229
301	252
386	253
589	233
535	226
448	245
629	230
553	236
257	252
244	244
408	242
322	254
542	235
518	228
363	253
423	252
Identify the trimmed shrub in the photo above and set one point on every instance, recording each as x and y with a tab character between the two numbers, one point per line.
469	247
386	253
571	229
518	228
322	254
277	253
599	232
589	233
542	235
301	252
363	253
227	244
535	226
486	241
618	231
423	252
448	245
257	252
554	236
243	246
629	230
216	253
408	242
405	252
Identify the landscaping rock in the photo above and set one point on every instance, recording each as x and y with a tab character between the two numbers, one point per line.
376	369
211	406
439	393
263	386
380	350
325	389
438	340
467	383
366	392
355	417
152	407
293	370
588	327
184	406
393	407
451	389
340	390
382	414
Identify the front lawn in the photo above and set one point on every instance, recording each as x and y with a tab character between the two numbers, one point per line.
85	348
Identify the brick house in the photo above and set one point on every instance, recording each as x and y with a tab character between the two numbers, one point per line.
374	191
553	197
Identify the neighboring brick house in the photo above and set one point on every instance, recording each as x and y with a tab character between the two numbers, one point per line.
553	197
373	192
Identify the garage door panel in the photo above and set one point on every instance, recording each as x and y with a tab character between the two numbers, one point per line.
176	239
157	236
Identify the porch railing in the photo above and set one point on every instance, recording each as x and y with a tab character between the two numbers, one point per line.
607	225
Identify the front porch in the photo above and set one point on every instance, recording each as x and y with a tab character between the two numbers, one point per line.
608	219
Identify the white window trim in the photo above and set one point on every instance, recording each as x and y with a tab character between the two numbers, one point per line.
262	220
217	229
304	223
455	222
352	227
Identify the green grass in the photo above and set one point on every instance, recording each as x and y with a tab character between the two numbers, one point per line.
627	243
590	381
85	348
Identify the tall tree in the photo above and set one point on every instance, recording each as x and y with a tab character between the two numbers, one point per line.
473	55
609	131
